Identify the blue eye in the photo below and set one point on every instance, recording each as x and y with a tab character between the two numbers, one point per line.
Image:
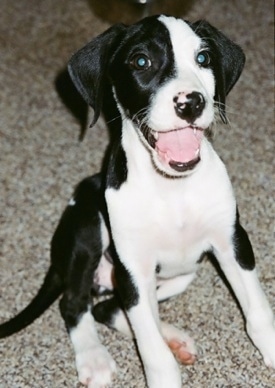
140	62
203	58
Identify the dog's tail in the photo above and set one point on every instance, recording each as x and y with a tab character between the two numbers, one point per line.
48	293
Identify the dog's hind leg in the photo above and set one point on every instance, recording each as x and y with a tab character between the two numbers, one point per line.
167	288
94	364
110	313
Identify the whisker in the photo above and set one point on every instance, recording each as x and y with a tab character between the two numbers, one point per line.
141	116
228	109
113	119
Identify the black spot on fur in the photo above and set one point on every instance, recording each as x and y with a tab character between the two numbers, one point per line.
243	248
105	312
117	167
126	287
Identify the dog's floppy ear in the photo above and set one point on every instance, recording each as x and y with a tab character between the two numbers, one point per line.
227	61
88	67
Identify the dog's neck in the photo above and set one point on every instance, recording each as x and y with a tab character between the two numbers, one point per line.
137	152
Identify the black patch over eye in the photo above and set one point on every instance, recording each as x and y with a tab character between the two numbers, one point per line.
203	58
140	62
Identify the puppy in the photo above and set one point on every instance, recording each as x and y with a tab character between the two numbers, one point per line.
162	201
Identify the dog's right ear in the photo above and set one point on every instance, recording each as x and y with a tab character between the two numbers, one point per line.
88	67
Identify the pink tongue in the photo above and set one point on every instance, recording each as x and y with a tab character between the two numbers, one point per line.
180	145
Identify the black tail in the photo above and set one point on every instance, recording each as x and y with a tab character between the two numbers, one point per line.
48	293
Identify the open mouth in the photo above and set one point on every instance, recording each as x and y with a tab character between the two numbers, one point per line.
178	148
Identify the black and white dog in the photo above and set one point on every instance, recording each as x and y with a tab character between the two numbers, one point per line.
163	202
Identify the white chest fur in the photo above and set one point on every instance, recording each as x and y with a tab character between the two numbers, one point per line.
169	221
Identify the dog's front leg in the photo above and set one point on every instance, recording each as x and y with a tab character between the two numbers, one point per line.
238	264
181	344
137	288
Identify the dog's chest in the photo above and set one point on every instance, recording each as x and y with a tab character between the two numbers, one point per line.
171	224
177	236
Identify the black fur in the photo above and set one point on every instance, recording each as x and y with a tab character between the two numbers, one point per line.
105	61
48	293
105	311
243	248
227	61
75	252
110	61
89	67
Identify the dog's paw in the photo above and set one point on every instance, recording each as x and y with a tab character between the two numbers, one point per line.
264	340
180	343
270	361
267	348
95	367
182	352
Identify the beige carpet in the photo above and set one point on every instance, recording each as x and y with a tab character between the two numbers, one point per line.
42	160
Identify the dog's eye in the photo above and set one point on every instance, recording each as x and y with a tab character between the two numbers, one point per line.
203	58
140	62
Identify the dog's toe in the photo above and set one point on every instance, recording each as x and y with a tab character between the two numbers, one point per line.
180	343
182	352
264	339
95	367
269	357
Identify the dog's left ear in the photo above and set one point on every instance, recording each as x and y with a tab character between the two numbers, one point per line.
88	67
227	61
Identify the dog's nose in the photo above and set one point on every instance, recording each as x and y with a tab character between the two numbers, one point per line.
189	106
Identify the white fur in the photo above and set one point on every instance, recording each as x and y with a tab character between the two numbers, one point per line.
94	364
72	202
168	222
189	77
150	220
105	238
103	276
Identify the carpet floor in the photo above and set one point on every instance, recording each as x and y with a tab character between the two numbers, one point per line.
41	160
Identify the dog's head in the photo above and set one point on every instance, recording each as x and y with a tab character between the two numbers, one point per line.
167	76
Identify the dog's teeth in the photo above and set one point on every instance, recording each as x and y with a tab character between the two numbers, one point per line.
195	131
197	152
156	135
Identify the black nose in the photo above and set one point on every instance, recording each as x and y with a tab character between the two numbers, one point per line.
189	107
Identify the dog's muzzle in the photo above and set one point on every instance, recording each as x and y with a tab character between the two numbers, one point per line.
179	148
